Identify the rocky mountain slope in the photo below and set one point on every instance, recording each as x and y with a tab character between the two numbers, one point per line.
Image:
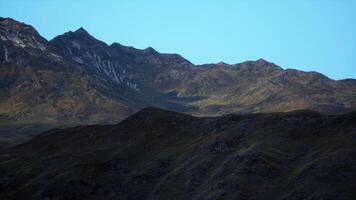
76	79
159	154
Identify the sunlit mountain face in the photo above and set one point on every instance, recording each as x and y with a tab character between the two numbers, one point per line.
76	79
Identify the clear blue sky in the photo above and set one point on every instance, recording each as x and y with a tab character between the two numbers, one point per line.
309	35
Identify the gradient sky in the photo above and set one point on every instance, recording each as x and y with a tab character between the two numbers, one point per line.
309	35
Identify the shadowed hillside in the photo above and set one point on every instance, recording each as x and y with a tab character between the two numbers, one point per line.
159	154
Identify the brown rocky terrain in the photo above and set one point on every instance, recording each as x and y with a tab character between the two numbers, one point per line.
76	79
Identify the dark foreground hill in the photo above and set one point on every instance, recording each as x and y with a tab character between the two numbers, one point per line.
158	154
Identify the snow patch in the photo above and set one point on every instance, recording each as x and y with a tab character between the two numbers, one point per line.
6	54
76	45
115	76
3	38
108	69
55	56
78	60
37	44
133	86
16	40
69	51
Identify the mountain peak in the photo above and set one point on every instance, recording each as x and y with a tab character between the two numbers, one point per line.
262	61
8	20
150	50
13	25
81	30
4	20
20	35
259	63
221	63
78	35
149	114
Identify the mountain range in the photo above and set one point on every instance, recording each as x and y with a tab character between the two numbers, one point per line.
81	119
76	79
